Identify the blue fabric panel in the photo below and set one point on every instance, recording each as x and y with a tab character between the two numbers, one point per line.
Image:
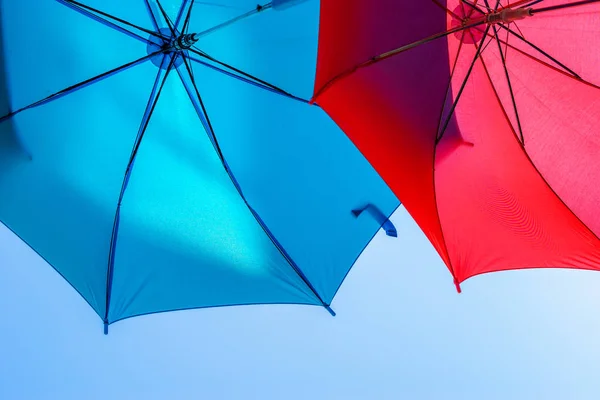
300	173
279	47
131	11
284	4
63	180
44	56
186	238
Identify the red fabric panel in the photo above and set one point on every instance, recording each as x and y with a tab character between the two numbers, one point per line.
353	31
390	109
497	212
492	207
570	35
560	118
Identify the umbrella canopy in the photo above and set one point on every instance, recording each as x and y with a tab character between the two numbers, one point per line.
482	116
163	156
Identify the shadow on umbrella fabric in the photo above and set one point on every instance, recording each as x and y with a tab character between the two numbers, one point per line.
176	161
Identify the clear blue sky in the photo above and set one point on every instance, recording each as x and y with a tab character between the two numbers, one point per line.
401	332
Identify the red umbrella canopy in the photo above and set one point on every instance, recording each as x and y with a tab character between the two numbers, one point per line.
482	116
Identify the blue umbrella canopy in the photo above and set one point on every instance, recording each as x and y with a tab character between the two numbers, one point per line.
164	156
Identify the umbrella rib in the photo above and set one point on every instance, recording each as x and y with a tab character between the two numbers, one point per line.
533	3
437	132
109	20
157	88
152	17
394	52
589	230
552	67
462	87
563	6
204	118
446	9
570	71
200	107
188	18
510	88
247	78
167	19
474	6
259	8
79	85
182	12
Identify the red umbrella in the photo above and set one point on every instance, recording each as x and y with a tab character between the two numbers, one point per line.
483	117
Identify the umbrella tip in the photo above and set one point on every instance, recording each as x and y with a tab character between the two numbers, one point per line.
328	308
105	327
457	284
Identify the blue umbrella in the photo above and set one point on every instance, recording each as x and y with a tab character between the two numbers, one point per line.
162	155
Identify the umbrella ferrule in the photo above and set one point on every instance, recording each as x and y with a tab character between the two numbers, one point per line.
508	15
184	42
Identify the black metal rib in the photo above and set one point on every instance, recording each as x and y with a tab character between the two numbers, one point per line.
113	18
510	88
394	52
445	8
248	81
188	17
184	14
563	6
257	217
247	75
152	17
462	87
533	3
167	19
152	101
259	8
203	114
79	85
449	86
474	6
541	51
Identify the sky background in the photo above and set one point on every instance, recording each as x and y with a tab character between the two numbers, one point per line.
401	331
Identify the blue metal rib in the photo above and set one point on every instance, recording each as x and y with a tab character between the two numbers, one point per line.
111	21
196	99
159	83
79	85
246	78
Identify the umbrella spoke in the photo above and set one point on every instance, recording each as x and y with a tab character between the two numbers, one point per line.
167	19
462	87
450	83
396	51
533	3
243	76
152	17
159	83
196	99
506	43
474	6
111	20
513	48
570	71
182	13
259	8
446	9
79	85
510	88
563	6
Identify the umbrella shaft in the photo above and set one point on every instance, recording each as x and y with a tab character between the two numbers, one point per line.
183	42
508	15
